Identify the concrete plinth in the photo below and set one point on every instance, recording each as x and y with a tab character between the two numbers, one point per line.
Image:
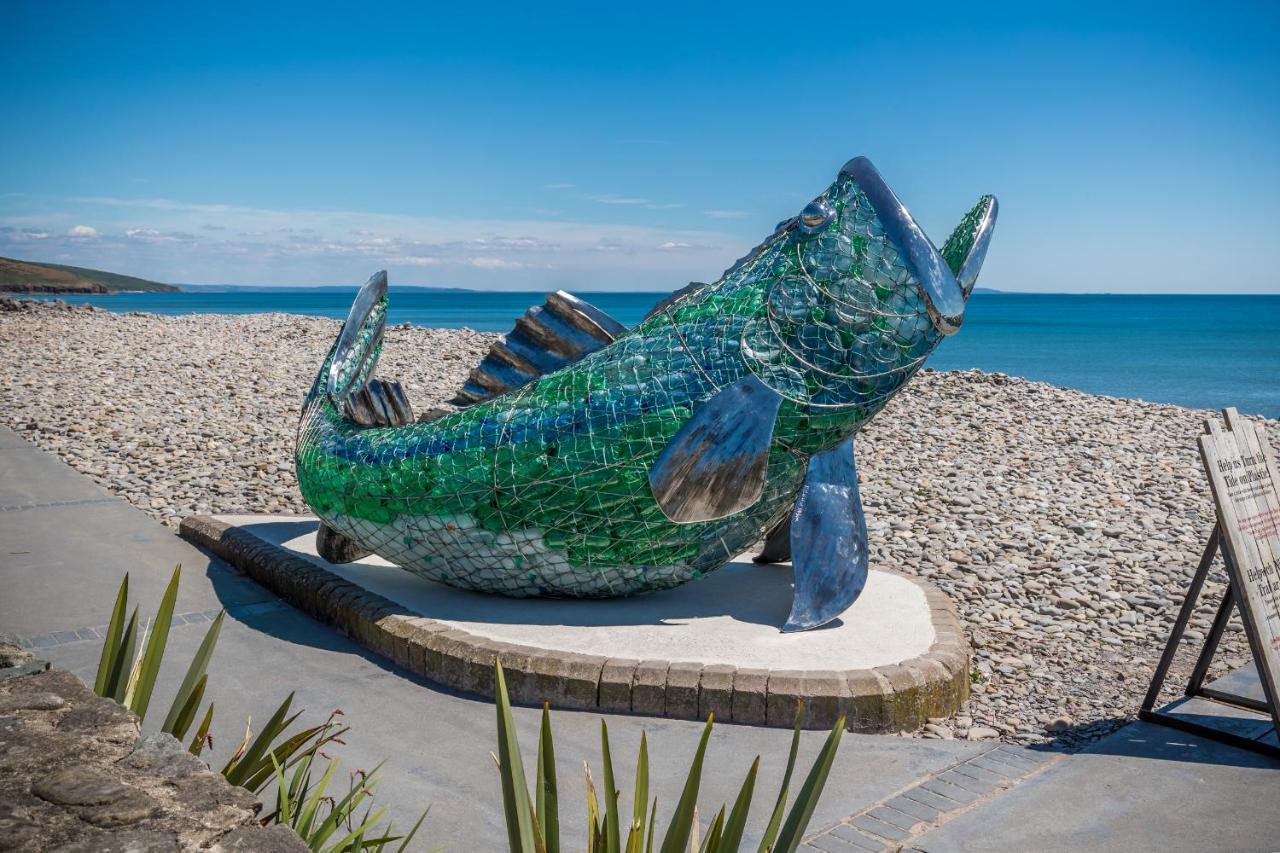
896	657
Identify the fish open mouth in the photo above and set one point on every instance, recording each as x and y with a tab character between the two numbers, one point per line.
943	296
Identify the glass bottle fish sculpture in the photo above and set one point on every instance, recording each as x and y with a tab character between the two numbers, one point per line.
648	462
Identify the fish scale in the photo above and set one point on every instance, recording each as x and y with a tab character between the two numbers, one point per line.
545	490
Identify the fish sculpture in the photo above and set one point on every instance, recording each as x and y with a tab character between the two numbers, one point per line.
651	461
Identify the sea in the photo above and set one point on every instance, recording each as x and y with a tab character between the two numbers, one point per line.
1202	351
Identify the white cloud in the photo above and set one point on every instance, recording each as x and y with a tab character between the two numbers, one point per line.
28	234
82	231
495	264
726	214
610	198
194	242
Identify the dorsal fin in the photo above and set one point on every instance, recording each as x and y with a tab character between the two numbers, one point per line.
548	337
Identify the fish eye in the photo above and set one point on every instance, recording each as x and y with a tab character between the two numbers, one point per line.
816	216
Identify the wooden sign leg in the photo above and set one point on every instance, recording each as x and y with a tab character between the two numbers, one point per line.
1220	620
1180	624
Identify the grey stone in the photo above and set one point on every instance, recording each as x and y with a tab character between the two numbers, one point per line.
915	808
36	701
649	690
80	786
127	841
163	754
880	828
133	807
931	800
856	839
982	733
260	839
952	792
968	782
890	815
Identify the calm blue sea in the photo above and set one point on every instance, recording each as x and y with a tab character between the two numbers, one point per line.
1201	351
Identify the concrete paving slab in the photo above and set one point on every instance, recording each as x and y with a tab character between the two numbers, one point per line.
1144	788
31	476
733	616
63	563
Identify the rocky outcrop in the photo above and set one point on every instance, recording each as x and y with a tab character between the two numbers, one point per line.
75	775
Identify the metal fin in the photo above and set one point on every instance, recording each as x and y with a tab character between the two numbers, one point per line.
968	274
828	540
356	352
378	403
715	465
547	338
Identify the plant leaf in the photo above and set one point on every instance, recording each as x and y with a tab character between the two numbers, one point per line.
640	799
548	806
611	828
111	643
118	683
187	713
712	841
153	656
676	839
202	732
779	808
515	791
807	799
310	807
195	672
731	838
296	748
238	770
344	808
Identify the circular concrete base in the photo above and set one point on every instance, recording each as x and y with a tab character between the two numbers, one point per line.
891	660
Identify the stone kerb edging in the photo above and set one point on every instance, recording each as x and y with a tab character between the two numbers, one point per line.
883	699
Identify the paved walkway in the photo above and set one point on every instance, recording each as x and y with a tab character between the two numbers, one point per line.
65	543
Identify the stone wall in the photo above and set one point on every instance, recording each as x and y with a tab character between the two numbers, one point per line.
75	775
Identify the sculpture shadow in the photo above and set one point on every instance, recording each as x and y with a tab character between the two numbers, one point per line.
741	590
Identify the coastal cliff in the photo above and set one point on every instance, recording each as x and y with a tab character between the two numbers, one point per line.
30	277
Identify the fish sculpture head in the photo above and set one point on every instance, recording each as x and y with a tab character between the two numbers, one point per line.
854	294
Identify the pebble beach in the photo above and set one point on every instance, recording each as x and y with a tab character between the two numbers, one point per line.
1064	526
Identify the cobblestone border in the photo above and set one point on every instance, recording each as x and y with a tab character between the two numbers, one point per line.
884	699
895	822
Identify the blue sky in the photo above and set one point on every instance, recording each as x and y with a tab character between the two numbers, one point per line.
634	146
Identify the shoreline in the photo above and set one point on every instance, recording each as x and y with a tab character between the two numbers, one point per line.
1063	525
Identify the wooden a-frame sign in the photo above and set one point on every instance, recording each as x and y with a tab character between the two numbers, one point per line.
1245	482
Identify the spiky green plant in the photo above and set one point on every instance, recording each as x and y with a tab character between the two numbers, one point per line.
304	806
533	826
128	675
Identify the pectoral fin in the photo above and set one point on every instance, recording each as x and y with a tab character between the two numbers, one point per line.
828	540
715	465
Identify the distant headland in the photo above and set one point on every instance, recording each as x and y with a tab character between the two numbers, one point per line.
32	277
